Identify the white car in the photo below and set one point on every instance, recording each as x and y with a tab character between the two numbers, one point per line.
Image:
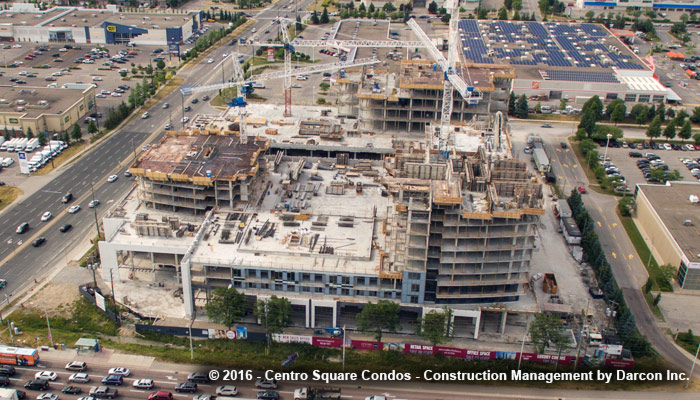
210	61
45	217
46	375
17	46
115	94
74	209
52	85
145	115
96	78
94	203
226	390
79	377
185	120
111	179
47	396
88	398
199	397
143	384
119	370
63	50
57	73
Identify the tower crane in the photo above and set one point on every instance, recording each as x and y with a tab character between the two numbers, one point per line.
242	89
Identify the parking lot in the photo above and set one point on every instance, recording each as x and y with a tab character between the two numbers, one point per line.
633	175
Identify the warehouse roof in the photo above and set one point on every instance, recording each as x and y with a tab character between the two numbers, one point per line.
31	102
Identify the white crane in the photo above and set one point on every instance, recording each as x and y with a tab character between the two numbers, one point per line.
239	102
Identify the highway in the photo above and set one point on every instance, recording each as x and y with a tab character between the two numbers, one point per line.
20	263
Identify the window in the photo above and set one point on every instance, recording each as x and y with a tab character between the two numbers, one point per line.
14	120
81	107
611	96
643	98
67	118
373	293
630	97
658	98
413	275
413	299
415	288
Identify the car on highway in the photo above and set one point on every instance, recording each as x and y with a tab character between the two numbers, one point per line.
37	384
198	377
185	120
123	371
46	216
103	392
3	283
144	383
79	366
79	377
67	197
210	61
47	375
266	384
74	209
94	204
36	243
113	379
166	105
145	115
7	370
160	395
226	390
168	127
22	228
546	125
127	174
205	98
4	381
188	108
112	178
70	389
581	189
195	100
47	396
187	386
268	395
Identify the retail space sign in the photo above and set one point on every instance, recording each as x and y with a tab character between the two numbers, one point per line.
111	28
23	164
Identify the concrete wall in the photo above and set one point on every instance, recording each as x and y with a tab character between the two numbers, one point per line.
657	237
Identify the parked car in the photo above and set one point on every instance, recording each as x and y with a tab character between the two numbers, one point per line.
581	189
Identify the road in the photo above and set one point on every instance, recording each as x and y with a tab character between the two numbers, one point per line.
166	379
627	268
20	263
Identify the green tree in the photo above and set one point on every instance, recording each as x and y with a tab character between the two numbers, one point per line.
696	138
325	86
611	107
66	137
642	117
695	117
432	7
371	8
670	113
563	103
92	127
379	317
654	128
508	4
76	133
684	18
226	306
547	329
648	285
274	314
661	111
434	327
589	16
324	16
625	206
521	108
30	134
42	139
538	108
618	114
314	18
686	131
149	69
512	100
503	14
595	105
588	121
670	131
160	64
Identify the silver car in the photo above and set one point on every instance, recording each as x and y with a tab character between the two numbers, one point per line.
80	377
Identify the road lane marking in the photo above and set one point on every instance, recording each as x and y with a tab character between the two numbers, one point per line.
631	256
629	267
614	224
599	224
614	255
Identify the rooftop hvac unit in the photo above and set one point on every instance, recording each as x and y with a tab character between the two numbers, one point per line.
20	109
84	19
21	102
693	199
63	20
43	103
74	25
94	15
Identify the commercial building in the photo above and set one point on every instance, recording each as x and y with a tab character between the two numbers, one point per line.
661	5
419	227
668	217
43	109
24	22
554	60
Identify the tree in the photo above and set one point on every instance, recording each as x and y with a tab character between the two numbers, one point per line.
77	133
686	131
696	115
611	107
314	18
618	114
160	64
670	113
521	108
503	14
545	329
516	16
371	8
563	103
625	206
648	286
696	138
379	317
654	129
587	122
92	127
642	117
42	139
670	131
324	16
595	105
508	4
432	7
434	327
30	134
538	108
512	100
325	86
226	306
274	314
66	137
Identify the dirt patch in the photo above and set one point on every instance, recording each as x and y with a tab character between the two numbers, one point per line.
8	194
56	297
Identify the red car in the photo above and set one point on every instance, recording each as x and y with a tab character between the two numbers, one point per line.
160	395
581	189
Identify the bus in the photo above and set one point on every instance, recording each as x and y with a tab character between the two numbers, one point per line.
18	355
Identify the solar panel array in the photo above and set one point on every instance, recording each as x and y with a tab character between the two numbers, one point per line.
548	44
579	76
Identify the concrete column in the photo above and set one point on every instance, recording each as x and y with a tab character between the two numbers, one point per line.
335	316
308	313
477	324
153	266
187	295
504	318
230	194
131	258
313	314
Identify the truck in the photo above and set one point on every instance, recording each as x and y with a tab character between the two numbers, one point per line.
549	285
103	392
22	144
11	144
32	145
317	393
539	157
57	145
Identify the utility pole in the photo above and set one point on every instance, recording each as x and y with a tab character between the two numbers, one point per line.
190	332
343	347
687	383
114	299
48	324
12	337
94	209
522	346
580	338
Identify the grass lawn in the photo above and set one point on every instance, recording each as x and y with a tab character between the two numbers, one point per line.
8	194
220	100
654	309
688	341
644	255
66	155
170	86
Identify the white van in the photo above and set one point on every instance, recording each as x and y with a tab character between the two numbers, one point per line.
6	162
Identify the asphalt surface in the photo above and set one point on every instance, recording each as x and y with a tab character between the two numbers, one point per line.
20	263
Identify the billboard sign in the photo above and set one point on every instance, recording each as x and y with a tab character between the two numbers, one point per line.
23	163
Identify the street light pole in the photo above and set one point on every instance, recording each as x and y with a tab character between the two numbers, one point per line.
522	347
687	383
607	143
94	209
48	324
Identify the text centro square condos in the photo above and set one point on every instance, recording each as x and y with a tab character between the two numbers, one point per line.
419	227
